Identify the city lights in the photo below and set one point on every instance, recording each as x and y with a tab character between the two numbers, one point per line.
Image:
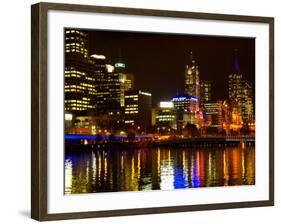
166	104
120	65
131	125
144	93
68	117
109	68
97	56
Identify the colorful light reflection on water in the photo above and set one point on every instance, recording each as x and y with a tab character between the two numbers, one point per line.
158	169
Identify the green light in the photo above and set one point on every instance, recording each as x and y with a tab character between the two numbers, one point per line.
120	65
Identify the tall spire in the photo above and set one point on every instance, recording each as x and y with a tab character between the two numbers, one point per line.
191	57
236	61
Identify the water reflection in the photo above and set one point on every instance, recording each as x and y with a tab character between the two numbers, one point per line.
158	168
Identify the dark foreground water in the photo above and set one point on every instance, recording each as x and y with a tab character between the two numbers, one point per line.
158	168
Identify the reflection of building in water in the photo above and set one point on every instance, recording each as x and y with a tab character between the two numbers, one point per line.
156	168
235	167
225	168
162	168
68	176
167	171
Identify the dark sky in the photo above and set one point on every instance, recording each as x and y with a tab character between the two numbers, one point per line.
158	60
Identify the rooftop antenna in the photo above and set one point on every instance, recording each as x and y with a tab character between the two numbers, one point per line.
236	60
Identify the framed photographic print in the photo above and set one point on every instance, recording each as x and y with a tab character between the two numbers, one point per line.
138	111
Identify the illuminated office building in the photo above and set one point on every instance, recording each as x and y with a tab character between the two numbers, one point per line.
166	117
181	102
138	109
107	85
126	83
92	87
76	42
205	91
126	80
186	107
248	106
241	92
191	78
213	111
79	85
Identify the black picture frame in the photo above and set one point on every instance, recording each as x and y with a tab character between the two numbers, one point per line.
39	106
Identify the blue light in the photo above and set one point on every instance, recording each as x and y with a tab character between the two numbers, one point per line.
193	99
179	180
106	137
180	98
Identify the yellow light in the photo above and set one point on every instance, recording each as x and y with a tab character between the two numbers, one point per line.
68	117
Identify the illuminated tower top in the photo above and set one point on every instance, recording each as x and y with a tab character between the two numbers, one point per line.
192	58
236	62
120	65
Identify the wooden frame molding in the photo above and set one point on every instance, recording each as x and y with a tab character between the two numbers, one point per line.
39	148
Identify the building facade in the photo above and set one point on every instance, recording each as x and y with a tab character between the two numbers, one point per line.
205	91
138	109
126	83
107	85
240	92
191	78
79	84
166	117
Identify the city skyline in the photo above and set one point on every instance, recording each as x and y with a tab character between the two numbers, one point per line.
136	114
145	57
108	91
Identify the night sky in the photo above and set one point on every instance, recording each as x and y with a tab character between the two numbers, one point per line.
158	60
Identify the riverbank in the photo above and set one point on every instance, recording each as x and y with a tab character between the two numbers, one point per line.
78	144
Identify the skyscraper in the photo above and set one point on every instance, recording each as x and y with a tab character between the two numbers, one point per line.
191	75
107	85
138	109
92	87
126	83
126	80
240	92
79	77
166	116
205	91
248	107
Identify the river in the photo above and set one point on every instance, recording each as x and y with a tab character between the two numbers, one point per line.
158	169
